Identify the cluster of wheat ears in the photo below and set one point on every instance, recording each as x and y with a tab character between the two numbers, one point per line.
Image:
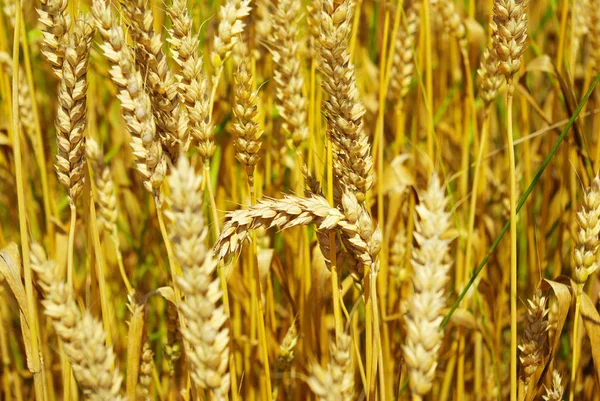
299	200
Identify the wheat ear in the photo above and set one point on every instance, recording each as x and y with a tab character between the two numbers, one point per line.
245	126
430	261
555	393
336	383
57	23
83	338
354	223
287	74
72	108
535	336
403	62
160	83
135	102
352	161
192	84
206	339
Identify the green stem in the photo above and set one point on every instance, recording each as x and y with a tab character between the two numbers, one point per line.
522	201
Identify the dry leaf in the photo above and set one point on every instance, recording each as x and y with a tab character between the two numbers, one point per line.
591	322
134	347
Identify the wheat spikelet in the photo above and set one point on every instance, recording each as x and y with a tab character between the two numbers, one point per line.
106	197
491	80
56	22
160	83
135	102
72	108
430	262
263	26
452	22
292	211
245	126
83	338
286	349
581	25
287	74
535	336
556	392
403	61
586	236
344	111
509	26
398	251
336	383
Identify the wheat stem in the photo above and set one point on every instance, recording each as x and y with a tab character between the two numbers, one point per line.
24	233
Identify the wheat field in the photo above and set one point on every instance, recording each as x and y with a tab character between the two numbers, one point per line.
325	200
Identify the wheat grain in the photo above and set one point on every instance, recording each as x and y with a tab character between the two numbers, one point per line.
146	367
430	261
491	80
72	108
